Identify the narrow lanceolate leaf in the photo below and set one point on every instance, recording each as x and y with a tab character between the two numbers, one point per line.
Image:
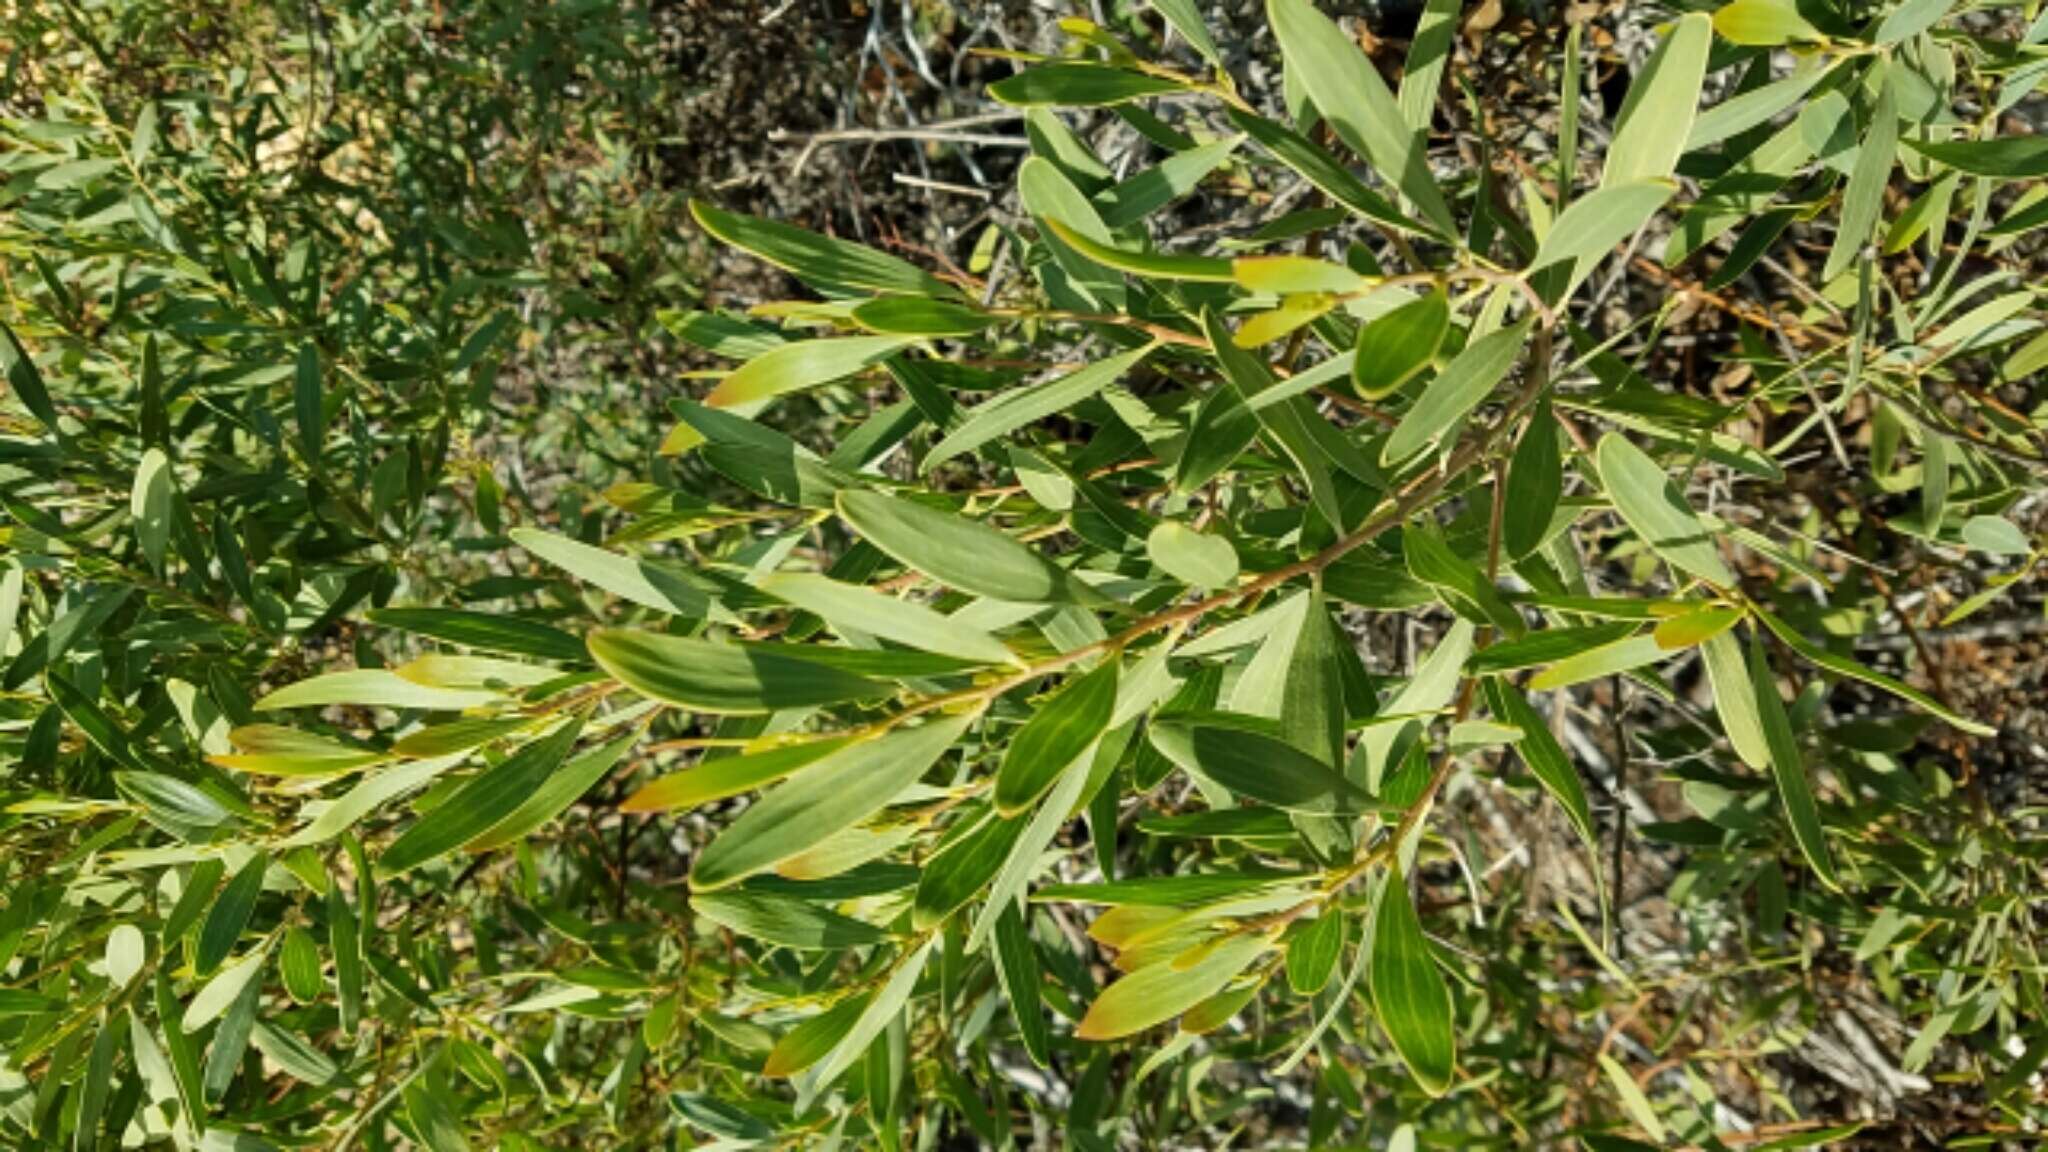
1056	735
274	750
555	795
852	607
1077	85
230	914
1017	968
1844	666
1735	700
1159	992
1535	482
727	776
1606	660
374	688
1408	993
1429	53
818	259
1151	265
802	364
880	1012
920	316
785	921
1260	767
1393	347
1657	510
1545	757
1863	199
1288	275
1349	93
475	808
150	505
1287	422
488	631
24	380
957	551
2001	158
958	872
1016	409
1591	227
1788	768
1656	116
1456	391
707	676
645	582
1313	953
834	794
298	962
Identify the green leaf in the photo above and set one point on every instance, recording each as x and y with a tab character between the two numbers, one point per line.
727	776
1060	732
1321	169
785	921
150	504
1395	346
554	796
1606	660
1546	760
644	582
24	380
1545	646
1843	666
1764	23
1788	768
1657	511
919	316
433	1121
127	951
1151	265
839	791
1462	584
874	1017
1457	390
1429	53
1015	409
488	631
1187	20
2001	158
273	750
230	915
216	995
1196	558
298	962
1313	953
961	868
1264	768
1075	85
1591	227
956	551
1288	422
1288	275
1735	699
1656	117
480	804
708	676
801	365
1408	993
808	1042
1158	992
818	259
374	688
1863	201
850	607
1349	93
1632	1098
1535	483
1017	968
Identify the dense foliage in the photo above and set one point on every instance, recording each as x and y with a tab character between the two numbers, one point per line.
1119	682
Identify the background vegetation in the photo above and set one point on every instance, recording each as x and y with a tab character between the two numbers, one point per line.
1482	560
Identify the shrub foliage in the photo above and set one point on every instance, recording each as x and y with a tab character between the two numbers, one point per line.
1071	686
